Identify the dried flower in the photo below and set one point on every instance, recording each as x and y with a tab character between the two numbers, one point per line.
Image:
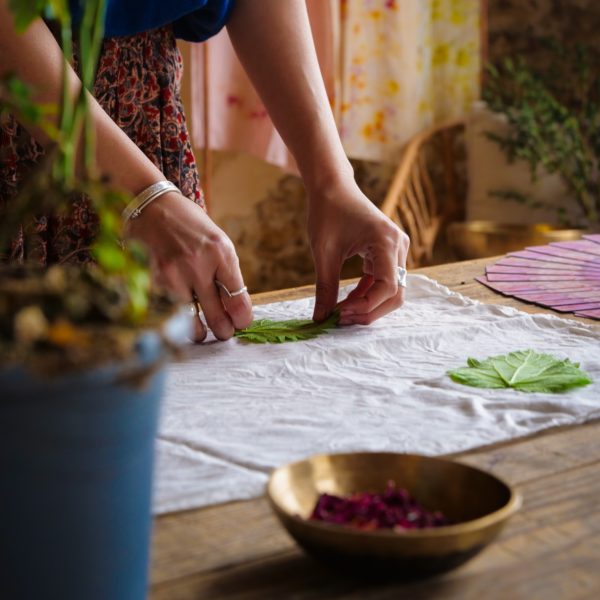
393	509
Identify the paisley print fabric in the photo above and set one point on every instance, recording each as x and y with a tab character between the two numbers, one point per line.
138	85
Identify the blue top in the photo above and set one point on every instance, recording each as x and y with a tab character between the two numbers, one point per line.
193	20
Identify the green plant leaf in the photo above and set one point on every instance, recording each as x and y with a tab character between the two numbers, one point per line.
553	113
264	331
25	11
109	256
139	282
523	370
16	98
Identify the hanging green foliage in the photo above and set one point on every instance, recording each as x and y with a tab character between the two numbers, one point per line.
554	118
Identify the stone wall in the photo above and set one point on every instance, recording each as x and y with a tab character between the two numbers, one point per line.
518	26
263	211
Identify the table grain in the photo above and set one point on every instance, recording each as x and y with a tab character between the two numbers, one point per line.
550	549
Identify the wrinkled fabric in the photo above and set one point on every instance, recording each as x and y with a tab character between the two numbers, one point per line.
233	411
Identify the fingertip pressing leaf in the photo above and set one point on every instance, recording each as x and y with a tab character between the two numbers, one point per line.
524	370
264	331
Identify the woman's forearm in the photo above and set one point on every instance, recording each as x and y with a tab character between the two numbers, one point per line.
274	42
36	59
188	250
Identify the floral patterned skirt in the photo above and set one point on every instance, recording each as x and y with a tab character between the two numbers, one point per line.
138	85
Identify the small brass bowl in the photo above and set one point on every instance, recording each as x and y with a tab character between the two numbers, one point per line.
478	503
479	239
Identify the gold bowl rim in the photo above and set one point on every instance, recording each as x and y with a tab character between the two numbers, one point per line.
513	504
489	226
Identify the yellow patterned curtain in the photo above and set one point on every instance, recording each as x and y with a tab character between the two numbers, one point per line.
404	66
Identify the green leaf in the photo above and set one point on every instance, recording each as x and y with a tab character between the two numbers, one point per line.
524	370
110	257
138	252
139	291
553	111
16	98
25	11
265	331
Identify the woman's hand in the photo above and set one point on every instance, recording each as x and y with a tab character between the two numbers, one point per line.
342	223
274	43
189	252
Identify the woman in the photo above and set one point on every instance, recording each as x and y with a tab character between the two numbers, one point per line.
145	142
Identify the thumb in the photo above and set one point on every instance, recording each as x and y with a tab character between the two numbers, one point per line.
328	285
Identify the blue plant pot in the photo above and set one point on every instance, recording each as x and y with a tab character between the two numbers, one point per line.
76	462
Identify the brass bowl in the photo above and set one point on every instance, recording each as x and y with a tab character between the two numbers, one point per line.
479	239
478	503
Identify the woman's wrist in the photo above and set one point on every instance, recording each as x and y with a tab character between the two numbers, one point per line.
325	179
148	195
156	212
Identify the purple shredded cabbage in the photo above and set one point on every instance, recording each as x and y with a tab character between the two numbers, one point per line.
393	509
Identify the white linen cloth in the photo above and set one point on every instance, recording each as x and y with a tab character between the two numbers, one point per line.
234	410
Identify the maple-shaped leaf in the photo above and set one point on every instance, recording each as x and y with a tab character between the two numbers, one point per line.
265	331
524	370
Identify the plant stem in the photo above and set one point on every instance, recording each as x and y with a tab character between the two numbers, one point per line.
91	34
64	168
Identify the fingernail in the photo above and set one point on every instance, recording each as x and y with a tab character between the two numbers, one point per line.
346	312
346	321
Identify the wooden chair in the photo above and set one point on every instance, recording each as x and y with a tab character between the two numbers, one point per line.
428	188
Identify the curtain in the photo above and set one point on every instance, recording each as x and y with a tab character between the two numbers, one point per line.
392	68
405	65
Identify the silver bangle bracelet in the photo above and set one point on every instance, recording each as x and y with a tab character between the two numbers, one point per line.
134	209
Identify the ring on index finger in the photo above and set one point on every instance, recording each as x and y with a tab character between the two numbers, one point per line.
401	274
229	294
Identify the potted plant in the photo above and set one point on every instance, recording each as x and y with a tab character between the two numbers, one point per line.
82	353
552	118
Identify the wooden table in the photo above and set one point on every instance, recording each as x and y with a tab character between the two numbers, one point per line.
550	550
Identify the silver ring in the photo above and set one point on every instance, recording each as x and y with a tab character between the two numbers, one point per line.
401	277
194	308
228	293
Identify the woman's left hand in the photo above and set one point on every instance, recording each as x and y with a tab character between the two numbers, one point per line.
342	223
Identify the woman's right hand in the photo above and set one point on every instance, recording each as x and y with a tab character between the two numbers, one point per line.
189	252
